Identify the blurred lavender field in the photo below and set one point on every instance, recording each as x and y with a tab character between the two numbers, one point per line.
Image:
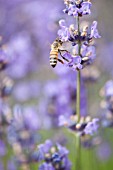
34	96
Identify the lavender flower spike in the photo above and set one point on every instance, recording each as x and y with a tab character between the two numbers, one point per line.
55	157
77	7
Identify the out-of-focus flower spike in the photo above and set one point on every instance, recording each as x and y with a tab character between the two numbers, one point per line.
54	157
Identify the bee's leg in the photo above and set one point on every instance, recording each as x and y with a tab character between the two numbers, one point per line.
63	56
60	61
64	51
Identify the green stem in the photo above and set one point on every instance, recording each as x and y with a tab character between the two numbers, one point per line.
78	23
78	142
78	96
78	152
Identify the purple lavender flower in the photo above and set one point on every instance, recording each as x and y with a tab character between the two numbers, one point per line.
73	61
88	55
76	62
44	148
77	8
55	157
71	33
78	57
94	31
85	8
63	33
92	127
85	126
72	10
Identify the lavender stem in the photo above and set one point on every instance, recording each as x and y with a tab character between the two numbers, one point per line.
78	96
78	143
78	76
78	152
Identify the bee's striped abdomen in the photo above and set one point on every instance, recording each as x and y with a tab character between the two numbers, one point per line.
53	58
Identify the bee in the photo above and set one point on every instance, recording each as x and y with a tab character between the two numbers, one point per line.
55	50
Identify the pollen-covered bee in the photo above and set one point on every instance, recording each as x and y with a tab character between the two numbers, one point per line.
55	50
